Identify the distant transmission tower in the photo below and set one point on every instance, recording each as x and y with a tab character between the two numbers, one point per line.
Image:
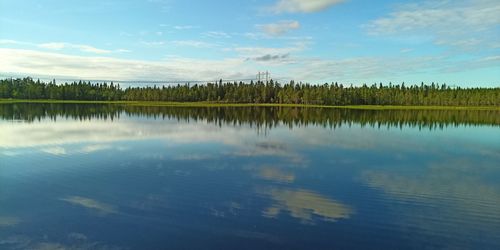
260	75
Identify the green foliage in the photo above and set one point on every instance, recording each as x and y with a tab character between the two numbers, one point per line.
266	117
259	92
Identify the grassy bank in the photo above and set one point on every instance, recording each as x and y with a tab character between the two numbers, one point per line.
221	104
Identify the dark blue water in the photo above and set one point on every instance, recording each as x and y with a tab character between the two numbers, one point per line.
144	181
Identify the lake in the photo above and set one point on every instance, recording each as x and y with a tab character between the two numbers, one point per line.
131	177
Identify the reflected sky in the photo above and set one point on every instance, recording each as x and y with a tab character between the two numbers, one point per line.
102	208
8	221
139	182
304	204
275	174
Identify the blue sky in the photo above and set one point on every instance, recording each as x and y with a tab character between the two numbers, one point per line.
348	41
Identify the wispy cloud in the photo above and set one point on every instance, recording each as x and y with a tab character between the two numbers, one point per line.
39	63
271	54
358	68
8	41
287	62
216	34
406	50
306	6
164	5
253	35
81	47
54	46
270	57
123	51
279	28
63	45
90	49
460	24
262	51
185	27
153	43
193	43
182	43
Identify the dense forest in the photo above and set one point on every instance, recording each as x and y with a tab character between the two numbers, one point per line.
256	92
261	118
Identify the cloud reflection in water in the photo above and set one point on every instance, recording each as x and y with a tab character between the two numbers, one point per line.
305	205
274	174
6	221
102	208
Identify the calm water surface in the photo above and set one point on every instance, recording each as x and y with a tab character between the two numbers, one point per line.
112	177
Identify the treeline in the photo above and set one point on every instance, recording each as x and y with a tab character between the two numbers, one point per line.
256	92
258	117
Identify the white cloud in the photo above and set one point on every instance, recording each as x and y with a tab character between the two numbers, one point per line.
261	35
90	49
36	63
153	43
8	41
253	35
279	28
217	34
54	46
463	24
307	6
356	69
284	63
185	27
123	51
81	47
63	45
482	62
261	51
192	43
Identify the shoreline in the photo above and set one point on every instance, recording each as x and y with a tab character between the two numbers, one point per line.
223	104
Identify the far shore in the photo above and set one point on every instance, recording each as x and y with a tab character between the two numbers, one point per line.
225	104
